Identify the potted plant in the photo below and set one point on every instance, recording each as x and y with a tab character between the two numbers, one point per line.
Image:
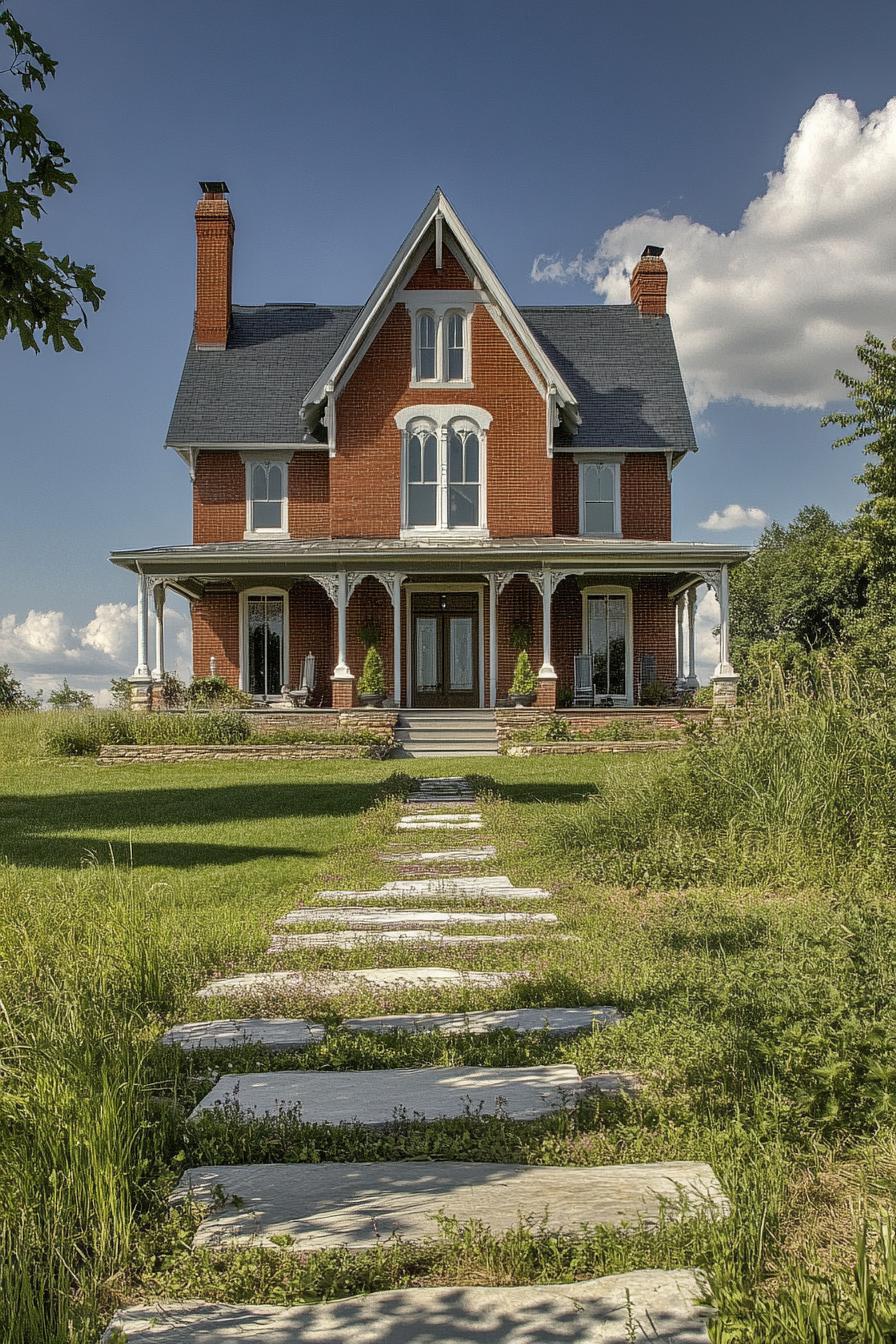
372	681
525	683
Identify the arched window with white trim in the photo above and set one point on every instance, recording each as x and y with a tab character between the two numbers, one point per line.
463	474
267	496
426	347
455	346
599	505
422	474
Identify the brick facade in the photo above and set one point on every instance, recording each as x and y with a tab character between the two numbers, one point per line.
645	496
216	633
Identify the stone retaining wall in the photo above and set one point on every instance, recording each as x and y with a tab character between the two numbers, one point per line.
511	721
274	751
583	748
317	720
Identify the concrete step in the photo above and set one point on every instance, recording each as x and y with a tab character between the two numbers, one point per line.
655	1304
329	984
376	1097
443	889
285	1033
386	917
415	753
358	1205
352	938
479	854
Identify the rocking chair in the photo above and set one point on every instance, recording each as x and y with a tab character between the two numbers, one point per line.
301	697
583	685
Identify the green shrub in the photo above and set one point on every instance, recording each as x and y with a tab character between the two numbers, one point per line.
524	681
83	735
373	678
210	692
172	691
655	693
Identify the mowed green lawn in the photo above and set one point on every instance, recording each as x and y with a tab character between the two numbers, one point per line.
757	1020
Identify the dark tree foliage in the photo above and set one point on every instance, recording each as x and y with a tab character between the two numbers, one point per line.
67	697
872	422
40	295
804	585
12	693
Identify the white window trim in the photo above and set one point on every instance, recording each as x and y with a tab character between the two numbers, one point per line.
262	590
615	464
614	590
250	460
440	418
410	588
439	303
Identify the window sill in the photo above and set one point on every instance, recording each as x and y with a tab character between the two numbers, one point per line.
266	536
601	536
445	534
432	384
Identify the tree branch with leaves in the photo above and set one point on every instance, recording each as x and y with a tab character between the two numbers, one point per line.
41	296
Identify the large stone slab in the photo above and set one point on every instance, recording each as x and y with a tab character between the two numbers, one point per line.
434	824
377	1097
480	854
443	889
441	816
328	983
360	1204
653	1305
557	1021
297	942
391	917
274	1033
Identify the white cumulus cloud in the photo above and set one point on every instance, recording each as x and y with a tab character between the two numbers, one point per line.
706	625
734	516
768	311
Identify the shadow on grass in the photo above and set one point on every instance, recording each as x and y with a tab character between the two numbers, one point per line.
30	825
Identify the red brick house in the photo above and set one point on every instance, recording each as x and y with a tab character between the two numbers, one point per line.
439	471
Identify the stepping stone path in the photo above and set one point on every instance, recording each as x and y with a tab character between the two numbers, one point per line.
376	1097
384	917
332	983
354	1206
359	1204
286	1033
649	1304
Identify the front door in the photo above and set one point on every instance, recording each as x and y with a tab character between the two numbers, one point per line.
264	644
445	650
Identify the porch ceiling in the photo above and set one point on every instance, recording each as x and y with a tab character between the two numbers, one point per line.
191	567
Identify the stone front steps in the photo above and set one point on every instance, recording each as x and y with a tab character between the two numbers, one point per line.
647	1304
378	1097
285	1033
359	1205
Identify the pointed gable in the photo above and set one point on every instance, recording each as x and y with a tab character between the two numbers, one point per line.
428	275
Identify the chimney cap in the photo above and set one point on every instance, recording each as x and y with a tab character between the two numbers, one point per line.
651	250
214	188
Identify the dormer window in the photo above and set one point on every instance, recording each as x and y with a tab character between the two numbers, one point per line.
266	495
443	469
440	328
599	499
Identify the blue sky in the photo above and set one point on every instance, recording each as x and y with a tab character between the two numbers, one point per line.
554	130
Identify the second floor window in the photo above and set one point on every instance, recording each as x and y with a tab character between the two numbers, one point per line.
441	346
444	469
267	496
599	499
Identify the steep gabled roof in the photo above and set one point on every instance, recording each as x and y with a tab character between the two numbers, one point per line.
437	214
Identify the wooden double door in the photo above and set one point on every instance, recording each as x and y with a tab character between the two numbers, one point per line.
445	650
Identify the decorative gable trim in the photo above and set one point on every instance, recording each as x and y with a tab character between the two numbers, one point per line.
503	309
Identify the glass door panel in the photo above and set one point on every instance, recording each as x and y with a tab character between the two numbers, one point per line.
427	650
607	644
264	644
460	664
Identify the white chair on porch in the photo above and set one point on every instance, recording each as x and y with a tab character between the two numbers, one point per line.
583	680
301	697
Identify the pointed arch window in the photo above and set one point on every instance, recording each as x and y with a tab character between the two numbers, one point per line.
440	340
422	475
463	475
599	499
426	346
455	346
443	468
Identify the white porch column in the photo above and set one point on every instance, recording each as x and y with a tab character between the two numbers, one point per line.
142	668
492	640
158	596
547	590
342	668
692	637
724	668
679	629
396	581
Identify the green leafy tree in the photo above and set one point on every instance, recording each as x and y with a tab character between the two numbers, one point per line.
12	693
40	295
66	697
803	587
120	690
872	422
372	680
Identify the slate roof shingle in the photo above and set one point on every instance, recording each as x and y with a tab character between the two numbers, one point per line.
622	367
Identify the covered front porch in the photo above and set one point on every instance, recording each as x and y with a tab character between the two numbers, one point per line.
610	624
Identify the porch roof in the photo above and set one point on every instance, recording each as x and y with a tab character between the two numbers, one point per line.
254	559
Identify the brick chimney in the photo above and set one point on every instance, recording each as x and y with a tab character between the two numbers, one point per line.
214	266
649	282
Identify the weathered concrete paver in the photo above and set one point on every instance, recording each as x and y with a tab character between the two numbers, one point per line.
646	1304
556	1021
274	1033
443	889
359	1204
481	854
436	824
295	942
376	1096
341	982
385	917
